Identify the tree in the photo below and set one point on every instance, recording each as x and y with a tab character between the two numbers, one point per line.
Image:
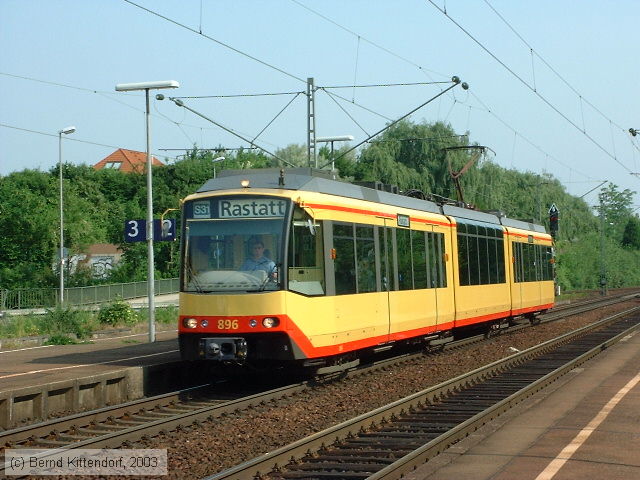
631	235
615	206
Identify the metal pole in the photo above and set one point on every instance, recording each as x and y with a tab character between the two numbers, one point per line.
312	157
61	221
150	262
603	267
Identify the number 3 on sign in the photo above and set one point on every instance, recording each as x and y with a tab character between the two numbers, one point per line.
135	231
133	228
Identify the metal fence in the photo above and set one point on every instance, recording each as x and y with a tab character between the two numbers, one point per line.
48	297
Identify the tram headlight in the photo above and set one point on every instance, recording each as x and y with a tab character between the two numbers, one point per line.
189	323
253	323
204	323
270	322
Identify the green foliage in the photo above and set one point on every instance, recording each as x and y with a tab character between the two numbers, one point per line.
117	313
410	155
166	315
19	326
631	235
66	320
58	339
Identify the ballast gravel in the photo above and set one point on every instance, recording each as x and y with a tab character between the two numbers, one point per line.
212	446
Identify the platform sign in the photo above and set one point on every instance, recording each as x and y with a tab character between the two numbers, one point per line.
136	230
165	232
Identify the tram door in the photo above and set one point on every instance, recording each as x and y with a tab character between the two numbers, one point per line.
388	270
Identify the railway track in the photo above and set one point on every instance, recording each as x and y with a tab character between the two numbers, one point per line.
118	425
391	441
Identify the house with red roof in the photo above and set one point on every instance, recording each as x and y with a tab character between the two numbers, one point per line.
127	161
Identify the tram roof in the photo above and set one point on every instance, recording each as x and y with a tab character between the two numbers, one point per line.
322	181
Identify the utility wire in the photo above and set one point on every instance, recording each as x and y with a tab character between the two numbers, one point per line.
525	83
345	111
380	47
277	115
530	142
388	85
456	82
180	103
244	54
242	95
566	82
67	139
419	67
358	105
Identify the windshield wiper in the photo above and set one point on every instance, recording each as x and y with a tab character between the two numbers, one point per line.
266	281
193	279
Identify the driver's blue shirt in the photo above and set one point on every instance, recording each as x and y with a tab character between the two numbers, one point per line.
263	263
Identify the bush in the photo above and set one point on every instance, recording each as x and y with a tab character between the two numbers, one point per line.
60	340
167	315
65	320
117	313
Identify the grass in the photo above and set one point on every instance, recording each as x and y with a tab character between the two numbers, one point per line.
63	323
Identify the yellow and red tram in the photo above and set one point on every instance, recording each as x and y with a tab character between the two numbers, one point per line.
347	270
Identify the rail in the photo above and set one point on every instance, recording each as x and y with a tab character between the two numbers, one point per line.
345	450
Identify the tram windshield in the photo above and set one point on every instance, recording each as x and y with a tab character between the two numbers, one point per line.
232	255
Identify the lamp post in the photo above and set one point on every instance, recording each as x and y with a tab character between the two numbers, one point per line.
214	161
146	86
64	131
339	138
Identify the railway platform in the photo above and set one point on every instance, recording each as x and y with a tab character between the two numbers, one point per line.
586	425
39	382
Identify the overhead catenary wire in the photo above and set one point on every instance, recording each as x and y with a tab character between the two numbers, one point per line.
455	80
424	70
180	103
219	42
370	42
525	138
277	115
549	66
526	84
67	139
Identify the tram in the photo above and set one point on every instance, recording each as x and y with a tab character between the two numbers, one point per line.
292	267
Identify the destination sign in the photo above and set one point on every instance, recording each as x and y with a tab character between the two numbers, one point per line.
252	208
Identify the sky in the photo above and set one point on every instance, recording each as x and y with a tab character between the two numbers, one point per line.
554	85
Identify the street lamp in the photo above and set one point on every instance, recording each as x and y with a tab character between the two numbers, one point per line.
214	161
64	131
634	131
146	86
339	138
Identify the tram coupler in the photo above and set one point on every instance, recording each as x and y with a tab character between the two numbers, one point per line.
223	349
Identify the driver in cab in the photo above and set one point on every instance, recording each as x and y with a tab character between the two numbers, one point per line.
258	261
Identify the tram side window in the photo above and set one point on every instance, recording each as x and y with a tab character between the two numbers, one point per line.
480	255
435	255
420	277
345	261
533	263
405	270
305	255
500	268
366	259
548	263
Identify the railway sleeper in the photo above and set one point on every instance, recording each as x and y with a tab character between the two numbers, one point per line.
72	438
349	452
100	429
324	475
385	457
363	465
